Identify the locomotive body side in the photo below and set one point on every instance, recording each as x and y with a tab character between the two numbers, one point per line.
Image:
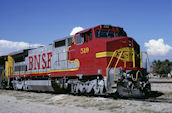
96	61
47	61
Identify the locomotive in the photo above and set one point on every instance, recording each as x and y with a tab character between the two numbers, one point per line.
101	60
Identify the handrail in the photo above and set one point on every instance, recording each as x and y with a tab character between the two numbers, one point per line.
134	65
117	63
109	64
124	60
141	65
147	60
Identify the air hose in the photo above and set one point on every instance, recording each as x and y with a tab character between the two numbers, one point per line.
137	74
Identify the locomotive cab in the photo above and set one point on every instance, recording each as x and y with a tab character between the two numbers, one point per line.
108	52
100	42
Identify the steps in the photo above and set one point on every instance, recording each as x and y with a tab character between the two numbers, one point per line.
112	81
114	86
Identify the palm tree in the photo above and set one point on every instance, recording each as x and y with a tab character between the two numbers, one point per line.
161	67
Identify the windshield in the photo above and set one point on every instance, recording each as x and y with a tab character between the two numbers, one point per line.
102	34
120	32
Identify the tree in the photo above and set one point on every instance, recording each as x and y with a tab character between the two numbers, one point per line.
161	67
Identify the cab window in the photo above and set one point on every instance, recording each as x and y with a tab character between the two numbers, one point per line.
83	38
120	33
90	36
79	39
104	34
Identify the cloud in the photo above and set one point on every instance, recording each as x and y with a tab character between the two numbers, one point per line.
7	47
75	30
157	47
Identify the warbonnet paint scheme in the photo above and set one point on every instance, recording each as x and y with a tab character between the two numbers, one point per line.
100	60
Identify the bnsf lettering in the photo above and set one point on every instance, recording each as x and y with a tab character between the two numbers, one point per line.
49	59
30	62
36	60
43	61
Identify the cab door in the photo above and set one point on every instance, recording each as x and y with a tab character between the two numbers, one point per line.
83	50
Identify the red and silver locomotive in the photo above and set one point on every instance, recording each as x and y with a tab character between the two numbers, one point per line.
100	60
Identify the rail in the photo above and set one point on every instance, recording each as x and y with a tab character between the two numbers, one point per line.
109	64
107	73
146	58
117	64
160	81
133	52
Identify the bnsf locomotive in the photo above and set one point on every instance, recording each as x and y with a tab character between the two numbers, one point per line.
100	60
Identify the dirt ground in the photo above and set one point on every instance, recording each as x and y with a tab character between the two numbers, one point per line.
32	102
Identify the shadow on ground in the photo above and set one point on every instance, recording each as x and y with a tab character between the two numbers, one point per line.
154	94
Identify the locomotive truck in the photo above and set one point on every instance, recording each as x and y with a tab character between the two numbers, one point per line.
101	60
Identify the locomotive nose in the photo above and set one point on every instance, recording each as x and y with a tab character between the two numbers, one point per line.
117	43
124	51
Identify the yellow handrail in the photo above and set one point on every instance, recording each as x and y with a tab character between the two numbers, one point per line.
133	58
124	60
109	64
117	63
141	65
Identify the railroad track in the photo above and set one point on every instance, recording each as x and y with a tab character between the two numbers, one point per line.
159	100
154	96
160	81
157	97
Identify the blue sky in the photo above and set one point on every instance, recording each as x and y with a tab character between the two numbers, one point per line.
42	21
